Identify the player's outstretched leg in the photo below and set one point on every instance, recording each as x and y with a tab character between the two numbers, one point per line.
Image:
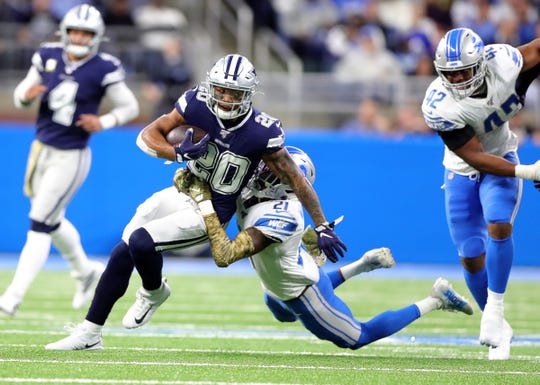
146	303
451	300
85	336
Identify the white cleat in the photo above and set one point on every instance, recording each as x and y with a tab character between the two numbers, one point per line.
502	352
86	285
145	305
491	325
80	339
9	305
451	300
378	259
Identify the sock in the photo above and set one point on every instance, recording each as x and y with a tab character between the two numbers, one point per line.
499	258
495	298
68	242
428	304
112	284
354	268
388	323
92	327
31	261
148	261
335	278
477	284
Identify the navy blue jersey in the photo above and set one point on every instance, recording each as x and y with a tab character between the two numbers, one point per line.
73	88
233	153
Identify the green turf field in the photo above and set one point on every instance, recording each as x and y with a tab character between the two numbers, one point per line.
215	329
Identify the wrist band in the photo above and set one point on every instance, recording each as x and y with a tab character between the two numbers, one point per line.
206	207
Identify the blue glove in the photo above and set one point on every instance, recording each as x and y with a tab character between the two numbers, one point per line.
537	184
187	150
328	241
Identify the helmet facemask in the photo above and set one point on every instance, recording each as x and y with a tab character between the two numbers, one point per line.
85	18
265	184
461	50
231	82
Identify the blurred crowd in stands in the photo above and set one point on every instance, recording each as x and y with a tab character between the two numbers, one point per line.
354	40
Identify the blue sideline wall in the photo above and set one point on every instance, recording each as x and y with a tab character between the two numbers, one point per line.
388	190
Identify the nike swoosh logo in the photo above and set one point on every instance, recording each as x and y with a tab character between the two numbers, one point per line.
139	320
326	235
88	346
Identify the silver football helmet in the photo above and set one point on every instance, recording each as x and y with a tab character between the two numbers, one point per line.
264	184
461	50
231	82
87	18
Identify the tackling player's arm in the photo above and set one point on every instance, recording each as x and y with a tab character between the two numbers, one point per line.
224	250
152	138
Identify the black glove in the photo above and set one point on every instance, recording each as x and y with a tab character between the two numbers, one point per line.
537	184
187	150
328	241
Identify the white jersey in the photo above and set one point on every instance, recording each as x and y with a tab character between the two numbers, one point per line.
488	116
284	267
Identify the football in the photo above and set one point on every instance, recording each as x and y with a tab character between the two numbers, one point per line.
177	134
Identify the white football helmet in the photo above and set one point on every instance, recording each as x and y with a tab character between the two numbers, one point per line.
87	18
236	75
461	49
264	184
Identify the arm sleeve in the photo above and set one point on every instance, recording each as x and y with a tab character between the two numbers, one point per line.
454	139
33	77
224	250
125	106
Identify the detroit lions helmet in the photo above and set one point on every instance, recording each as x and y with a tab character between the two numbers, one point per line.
461	50
82	17
265	184
231	82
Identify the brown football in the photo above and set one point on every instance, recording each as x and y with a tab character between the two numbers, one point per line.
177	134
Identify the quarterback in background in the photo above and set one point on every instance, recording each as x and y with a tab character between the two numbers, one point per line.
71	78
478	90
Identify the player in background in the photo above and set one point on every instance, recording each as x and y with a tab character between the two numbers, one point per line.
238	137
71	78
478	90
271	223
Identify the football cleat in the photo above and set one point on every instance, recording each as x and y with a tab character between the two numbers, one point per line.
86	285
451	300
378	259
491	325
8	305
146	303
80	339
502	352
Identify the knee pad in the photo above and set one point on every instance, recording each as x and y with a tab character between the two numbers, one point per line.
40	227
141	244
472	247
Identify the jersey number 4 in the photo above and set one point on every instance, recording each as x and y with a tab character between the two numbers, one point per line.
62	102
